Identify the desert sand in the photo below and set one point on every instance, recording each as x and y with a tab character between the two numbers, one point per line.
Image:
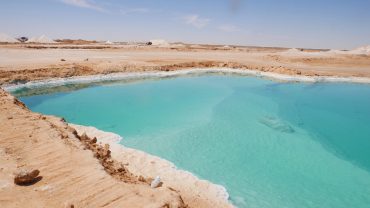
77	171
25	62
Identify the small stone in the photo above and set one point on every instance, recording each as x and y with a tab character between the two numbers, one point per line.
142	179
94	140
84	136
106	146
156	182
64	135
23	176
106	153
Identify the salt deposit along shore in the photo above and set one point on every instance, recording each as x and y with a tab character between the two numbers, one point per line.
181	72
77	172
144	164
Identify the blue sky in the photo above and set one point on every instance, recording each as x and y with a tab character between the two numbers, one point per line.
339	24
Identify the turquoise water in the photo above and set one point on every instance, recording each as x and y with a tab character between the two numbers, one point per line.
269	144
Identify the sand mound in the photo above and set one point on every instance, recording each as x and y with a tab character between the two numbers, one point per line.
333	52
159	42
293	50
357	51
178	45
7	39
361	50
41	39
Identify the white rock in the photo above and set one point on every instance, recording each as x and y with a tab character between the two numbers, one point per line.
155	182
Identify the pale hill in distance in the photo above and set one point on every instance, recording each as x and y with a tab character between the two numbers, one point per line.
41	39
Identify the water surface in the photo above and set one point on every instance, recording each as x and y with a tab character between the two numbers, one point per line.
269	144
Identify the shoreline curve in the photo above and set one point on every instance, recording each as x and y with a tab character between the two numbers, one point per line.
205	189
194	71
144	164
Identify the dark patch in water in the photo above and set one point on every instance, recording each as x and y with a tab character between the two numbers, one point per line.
276	124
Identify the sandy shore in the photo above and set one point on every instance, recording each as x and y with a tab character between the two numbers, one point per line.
73	170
